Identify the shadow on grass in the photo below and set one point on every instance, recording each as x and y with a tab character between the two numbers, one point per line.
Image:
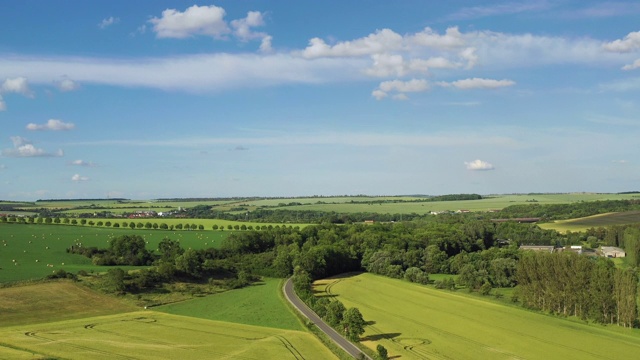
376	337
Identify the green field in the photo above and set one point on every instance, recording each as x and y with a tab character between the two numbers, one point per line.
259	304
419	322
491	202
39	250
155	335
342	204
601	220
68	321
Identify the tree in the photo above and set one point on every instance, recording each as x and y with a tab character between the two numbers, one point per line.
169	249
114	281
335	313
382	352
353	324
189	263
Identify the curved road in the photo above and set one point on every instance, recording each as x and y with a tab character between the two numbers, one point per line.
333	335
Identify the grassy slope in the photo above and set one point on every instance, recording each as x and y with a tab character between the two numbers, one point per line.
418	322
28	243
154	335
581	224
260	305
54	301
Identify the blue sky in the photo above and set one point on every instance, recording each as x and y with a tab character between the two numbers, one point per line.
156	99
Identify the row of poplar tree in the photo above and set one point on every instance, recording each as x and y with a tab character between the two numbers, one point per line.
572	285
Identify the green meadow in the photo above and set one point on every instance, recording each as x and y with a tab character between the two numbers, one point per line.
419	322
260	304
39	250
601	220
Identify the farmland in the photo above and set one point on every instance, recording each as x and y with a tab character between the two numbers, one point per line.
259	304
419	322
581	224
341	204
155	335
34	247
55	301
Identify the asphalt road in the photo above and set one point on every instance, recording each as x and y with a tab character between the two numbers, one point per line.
333	335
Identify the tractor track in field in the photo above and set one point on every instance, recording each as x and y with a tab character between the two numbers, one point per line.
480	344
78	346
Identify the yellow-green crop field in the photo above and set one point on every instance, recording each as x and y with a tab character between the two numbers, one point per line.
155	335
68	321
419	322
604	220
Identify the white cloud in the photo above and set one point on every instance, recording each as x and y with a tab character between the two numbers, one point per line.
379	94
620	161
478	83
82	163
242	27
51	125
18	85
22	147
400	97
399	86
381	41
195	20
194	73
77	177
265	44
635	65
478	165
108	22
413	85
631	42
67	84
452	39
3	105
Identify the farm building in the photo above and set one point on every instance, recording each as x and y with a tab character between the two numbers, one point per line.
612	252
546	248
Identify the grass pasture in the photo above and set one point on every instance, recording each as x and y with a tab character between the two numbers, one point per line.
601	220
155	335
260	304
419	322
34	247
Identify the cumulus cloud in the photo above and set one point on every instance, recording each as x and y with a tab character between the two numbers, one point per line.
22	147
51	125
478	165
78	177
82	163
242	29
635	65
105	23
67	84
478	83
631	42
18	85
401	87
195	20
381	41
